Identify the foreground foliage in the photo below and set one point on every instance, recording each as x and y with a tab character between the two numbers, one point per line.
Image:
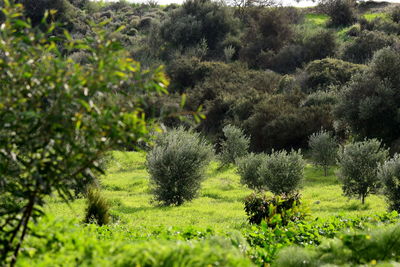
57	118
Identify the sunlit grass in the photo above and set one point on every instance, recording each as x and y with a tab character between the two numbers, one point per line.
220	202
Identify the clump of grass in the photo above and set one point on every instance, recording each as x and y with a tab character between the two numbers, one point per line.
98	209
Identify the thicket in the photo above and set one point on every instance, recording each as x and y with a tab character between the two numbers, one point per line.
369	103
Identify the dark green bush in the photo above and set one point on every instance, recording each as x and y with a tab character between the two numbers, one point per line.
358	165
176	165
97	210
341	12
389	175
268	31
282	172
234	145
369	104
196	20
247	168
275	211
320	74
395	14
363	47
319	44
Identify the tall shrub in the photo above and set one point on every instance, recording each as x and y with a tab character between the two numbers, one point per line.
176	165
358	163
389	175
234	145
324	149
282	172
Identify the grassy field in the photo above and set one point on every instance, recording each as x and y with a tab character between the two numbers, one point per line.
220	202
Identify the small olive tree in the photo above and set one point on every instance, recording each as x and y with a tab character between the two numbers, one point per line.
247	168
358	163
235	144
389	175
323	148
282	172
176	165
57	119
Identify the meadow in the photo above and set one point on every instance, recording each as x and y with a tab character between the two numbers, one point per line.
220	202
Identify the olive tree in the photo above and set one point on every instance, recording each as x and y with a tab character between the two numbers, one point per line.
323	147
176	165
58	117
389	175
235	144
358	163
282	172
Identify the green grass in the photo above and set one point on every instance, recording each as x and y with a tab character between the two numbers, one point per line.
220	202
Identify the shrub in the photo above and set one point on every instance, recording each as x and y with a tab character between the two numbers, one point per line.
282	172
341	12
320	74
247	168
275	211
324	149
97	210
389	175
369	103
358	163
176	166
363	47
269	30
196	20
235	145
395	14
320	44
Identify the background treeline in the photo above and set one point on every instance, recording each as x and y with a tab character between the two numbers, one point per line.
279	73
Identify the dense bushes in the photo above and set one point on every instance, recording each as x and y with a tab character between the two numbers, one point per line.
369	103
321	74
389	175
362	48
358	165
268	31
196	20
176	166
